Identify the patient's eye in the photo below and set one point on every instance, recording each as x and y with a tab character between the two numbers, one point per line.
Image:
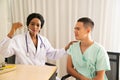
77	28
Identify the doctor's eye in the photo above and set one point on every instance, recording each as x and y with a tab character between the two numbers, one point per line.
38	25
32	24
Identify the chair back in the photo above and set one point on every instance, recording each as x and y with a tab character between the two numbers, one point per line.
10	60
113	74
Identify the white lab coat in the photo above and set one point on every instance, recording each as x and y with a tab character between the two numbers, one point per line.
18	46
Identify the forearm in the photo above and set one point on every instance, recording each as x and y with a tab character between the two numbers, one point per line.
77	75
100	75
15	26
98	78
72	71
11	33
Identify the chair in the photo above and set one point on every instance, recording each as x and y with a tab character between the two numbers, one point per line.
10	60
113	74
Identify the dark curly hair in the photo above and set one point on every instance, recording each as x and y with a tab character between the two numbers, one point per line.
35	15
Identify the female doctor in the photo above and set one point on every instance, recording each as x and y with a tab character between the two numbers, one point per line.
30	48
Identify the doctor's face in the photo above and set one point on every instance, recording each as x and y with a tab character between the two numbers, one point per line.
80	31
34	26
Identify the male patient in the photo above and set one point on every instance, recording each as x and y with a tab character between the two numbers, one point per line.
87	60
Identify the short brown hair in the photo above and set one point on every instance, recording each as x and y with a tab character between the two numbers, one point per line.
86	21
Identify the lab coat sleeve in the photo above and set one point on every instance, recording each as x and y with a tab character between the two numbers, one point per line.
52	53
56	54
6	47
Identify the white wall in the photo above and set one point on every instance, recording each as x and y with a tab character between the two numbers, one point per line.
3	18
60	17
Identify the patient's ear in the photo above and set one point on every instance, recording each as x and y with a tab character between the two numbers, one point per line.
89	29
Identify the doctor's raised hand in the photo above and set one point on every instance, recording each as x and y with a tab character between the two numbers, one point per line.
15	26
30	47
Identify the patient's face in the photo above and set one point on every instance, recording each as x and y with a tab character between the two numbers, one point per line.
80	31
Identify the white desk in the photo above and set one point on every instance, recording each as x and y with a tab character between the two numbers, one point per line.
27	72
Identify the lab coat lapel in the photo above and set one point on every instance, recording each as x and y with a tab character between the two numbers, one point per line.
41	52
40	48
31	46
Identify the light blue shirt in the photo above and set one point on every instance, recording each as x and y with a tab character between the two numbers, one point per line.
95	58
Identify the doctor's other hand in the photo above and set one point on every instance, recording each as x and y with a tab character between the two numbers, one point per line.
15	26
68	45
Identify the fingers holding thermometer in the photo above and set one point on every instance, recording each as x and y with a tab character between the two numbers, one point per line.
30	30
27	28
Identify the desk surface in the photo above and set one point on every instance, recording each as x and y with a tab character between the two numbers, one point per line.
27	72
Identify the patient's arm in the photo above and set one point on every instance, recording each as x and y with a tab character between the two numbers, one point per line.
100	75
72	71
